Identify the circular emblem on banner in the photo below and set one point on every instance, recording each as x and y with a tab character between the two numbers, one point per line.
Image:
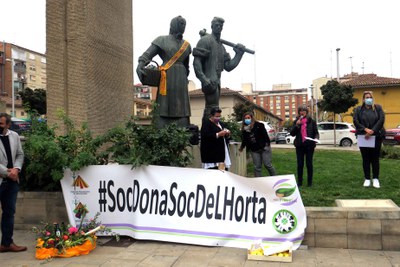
284	221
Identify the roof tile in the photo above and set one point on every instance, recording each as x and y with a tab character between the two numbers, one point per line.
368	80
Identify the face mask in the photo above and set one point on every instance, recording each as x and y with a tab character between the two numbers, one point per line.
216	120
369	101
247	121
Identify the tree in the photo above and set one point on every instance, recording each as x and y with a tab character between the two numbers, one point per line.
34	101
240	108
288	124
337	98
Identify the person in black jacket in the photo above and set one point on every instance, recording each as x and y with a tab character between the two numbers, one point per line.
255	138
368	120
214	142
304	128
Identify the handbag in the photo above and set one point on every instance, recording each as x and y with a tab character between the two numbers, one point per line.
152	75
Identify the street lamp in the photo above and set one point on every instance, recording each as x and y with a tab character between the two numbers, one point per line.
12	87
337	63
314	95
312	100
316	105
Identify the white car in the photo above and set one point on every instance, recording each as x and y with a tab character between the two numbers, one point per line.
345	133
270	130
290	139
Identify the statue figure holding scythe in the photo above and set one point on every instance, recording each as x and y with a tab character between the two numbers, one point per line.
210	59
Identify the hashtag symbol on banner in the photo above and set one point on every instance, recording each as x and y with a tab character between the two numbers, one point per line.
102	196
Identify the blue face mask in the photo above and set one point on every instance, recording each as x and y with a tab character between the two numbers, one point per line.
369	101
247	121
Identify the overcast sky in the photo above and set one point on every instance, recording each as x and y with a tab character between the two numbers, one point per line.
295	40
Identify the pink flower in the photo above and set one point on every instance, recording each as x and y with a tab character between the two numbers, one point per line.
48	233
72	230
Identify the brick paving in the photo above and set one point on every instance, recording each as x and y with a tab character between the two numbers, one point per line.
156	253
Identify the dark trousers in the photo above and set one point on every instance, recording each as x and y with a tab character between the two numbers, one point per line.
370	157
308	153
8	197
263	157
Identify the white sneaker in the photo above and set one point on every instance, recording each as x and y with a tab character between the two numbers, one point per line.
367	183
375	183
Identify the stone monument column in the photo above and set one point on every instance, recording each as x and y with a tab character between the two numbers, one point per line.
90	61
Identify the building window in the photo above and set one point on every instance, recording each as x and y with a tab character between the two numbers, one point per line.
32	68
43	60
32	56
32	77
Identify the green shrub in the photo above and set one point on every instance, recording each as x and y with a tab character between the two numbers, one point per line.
146	145
47	155
44	160
390	152
234	127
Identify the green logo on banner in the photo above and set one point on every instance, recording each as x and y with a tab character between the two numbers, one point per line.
284	221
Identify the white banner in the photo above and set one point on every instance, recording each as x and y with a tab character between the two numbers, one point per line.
188	205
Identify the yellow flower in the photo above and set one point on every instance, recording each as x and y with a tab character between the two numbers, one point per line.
39	242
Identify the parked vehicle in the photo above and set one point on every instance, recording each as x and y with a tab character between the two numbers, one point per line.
20	126
281	137
392	136
345	133
270	130
290	139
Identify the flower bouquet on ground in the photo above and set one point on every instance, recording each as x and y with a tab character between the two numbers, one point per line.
55	240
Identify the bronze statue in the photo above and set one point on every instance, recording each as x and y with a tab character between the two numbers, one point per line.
210	59
172	96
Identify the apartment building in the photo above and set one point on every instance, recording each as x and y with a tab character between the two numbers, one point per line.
281	102
19	68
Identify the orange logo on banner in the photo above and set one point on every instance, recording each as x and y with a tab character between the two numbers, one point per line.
80	182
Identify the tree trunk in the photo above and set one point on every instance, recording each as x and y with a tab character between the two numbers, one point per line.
334	129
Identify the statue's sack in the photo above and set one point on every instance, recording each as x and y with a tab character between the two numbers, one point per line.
152	75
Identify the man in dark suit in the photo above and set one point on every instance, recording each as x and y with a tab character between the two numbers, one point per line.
11	160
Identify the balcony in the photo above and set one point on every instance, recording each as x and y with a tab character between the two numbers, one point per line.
20	67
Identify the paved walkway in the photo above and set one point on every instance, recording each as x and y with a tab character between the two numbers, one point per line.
160	254
322	147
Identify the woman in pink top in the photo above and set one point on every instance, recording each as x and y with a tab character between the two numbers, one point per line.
304	126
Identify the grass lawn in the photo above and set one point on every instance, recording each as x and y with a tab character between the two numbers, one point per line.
337	175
